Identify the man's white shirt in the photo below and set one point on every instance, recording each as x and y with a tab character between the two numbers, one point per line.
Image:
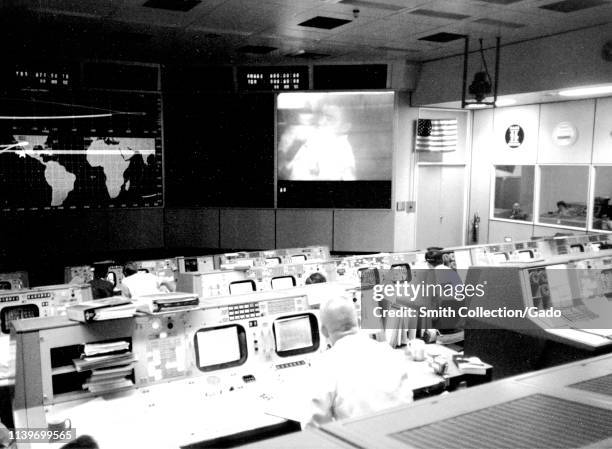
356	377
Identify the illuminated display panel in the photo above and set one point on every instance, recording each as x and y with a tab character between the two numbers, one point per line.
606	280
112	277
11	313
296	334
500	257
283	282
191	265
334	149
272	261
463	259
559	286
401	272
273	78
109	156
240	287
525	254
45	78
220	347
298	258
368	277
577	248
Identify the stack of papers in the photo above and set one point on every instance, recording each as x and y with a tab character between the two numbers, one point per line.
108	379
105	361
111	365
92	349
470	365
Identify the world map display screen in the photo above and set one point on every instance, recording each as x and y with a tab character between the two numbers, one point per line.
102	162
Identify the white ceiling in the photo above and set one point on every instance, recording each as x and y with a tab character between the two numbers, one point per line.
383	29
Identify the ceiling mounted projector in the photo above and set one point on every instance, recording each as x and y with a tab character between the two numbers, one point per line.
481	86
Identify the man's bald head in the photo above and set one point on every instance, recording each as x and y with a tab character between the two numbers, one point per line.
338	319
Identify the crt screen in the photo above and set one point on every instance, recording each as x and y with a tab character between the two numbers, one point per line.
112	278
338	136
240	287
272	261
559	285
191	265
500	257
298	258
217	346
17	313
293	333
283	282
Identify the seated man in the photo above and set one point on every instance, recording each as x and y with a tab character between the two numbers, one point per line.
100	286
358	375
516	213
563	209
138	283
441	275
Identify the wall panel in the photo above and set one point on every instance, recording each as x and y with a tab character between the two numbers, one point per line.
195	228
558	141
499	230
363	230
299	227
243	229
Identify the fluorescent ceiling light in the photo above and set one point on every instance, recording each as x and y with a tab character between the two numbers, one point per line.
477	105
505	102
586	91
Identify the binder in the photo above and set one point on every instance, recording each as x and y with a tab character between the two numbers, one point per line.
102	309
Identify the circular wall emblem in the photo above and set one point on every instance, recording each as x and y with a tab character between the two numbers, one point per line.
564	134
514	136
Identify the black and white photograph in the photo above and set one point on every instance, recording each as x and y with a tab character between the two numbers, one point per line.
339	224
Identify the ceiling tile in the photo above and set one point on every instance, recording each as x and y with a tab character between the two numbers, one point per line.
324	22
567	6
172	5
442	37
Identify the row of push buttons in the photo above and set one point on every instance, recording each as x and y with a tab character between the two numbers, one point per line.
243	311
289	365
39	295
9	298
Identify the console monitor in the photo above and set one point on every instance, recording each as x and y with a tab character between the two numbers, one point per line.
191	265
19	312
606	282
240	287
402	272
500	257
463	259
296	334
298	258
112	277
525	255
272	261
281	282
220	347
559	285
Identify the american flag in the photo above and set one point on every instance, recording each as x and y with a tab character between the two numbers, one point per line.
436	135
